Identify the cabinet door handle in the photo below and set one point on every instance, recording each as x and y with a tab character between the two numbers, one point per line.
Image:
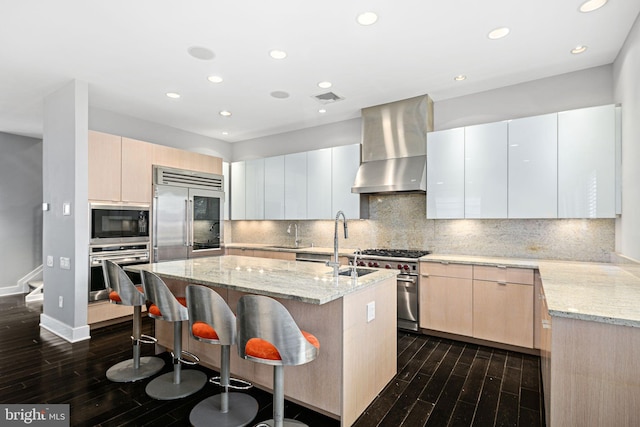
444	262
502	283
502	266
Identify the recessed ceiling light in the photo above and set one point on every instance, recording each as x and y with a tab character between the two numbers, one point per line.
591	5
215	79
498	33
173	95
578	49
460	78
225	132
280	94
278	54
367	18
200	52
322	110
225	113
325	85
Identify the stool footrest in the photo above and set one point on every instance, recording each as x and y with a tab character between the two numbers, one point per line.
145	339
195	358
234	383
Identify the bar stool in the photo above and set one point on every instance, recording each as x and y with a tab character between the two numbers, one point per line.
165	306
268	334
126	293
212	321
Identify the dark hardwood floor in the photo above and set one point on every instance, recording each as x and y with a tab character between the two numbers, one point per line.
439	382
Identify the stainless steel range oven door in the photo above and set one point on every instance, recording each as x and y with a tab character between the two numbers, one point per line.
121	255
408	302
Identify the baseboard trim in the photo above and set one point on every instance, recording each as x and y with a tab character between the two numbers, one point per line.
63	330
11	290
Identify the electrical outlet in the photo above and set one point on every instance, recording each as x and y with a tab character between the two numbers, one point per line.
66	209
60	301
371	311
49	260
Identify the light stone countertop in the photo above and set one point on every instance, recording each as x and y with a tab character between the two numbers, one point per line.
307	282
599	292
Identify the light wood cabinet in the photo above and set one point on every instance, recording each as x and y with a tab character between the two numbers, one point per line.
105	167
503	308
288	256
137	170
493	303
121	169
446	297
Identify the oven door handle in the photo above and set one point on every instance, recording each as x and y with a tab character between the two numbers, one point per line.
411	280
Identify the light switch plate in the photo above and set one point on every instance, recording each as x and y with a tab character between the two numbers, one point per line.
65	263
49	261
371	311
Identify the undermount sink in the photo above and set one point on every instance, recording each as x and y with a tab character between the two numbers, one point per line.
359	272
288	246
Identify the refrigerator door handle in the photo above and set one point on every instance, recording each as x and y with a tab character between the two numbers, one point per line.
185	234
190	222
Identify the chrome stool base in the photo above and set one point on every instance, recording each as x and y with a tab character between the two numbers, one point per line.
124	372
163	388
242	410
287	422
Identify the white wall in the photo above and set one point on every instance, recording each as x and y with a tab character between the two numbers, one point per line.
585	88
332	135
119	124
20	209
626	75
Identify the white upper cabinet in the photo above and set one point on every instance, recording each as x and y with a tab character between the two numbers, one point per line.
345	163
226	172
295	186
238	205
485	170
319	184
445	174
274	187
586	163
254	189
533	167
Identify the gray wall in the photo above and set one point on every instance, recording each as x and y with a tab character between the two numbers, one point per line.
65	151
119	124
580	89
627	92
20	209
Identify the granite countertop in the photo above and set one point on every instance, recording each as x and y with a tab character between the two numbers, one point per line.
308	282
599	292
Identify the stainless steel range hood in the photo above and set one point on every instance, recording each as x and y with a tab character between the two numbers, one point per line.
394	138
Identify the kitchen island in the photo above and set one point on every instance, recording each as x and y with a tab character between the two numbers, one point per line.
357	353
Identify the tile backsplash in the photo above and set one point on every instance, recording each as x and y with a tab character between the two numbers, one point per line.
399	221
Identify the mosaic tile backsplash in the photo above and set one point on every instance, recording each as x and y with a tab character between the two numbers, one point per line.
399	221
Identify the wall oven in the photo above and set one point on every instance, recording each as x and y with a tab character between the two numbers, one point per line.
118	223
125	254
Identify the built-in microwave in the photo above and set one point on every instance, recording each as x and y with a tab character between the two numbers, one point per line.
118	223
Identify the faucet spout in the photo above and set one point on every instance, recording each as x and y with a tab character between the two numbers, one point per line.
296	241
335	263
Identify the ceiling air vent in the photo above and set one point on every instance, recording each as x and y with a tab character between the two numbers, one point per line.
328	98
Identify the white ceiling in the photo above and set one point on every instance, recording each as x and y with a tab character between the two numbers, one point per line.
132	53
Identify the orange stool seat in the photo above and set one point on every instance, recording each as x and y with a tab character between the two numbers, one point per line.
263	349
154	310
202	330
115	296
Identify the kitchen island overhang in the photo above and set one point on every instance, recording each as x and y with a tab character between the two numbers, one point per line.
357	353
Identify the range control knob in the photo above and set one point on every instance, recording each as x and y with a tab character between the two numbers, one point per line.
406	267
399	266
387	266
370	264
361	263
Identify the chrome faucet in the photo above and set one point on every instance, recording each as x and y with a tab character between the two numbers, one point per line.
335	263
354	266
296	241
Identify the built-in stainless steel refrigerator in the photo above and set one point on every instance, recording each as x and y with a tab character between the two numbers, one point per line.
188	214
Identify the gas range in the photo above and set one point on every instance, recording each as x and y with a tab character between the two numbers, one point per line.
405	260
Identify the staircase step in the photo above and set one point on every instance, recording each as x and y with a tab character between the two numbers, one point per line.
34	284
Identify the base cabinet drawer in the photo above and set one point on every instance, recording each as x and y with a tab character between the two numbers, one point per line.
503	312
